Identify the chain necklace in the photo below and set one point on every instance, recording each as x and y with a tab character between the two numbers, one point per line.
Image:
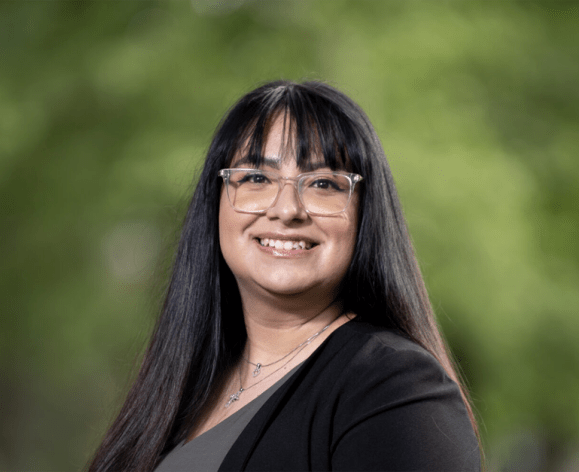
258	365
234	397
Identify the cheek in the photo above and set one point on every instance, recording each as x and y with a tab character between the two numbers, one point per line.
348	236
348	246
227	231
343	239
353	219
232	238
224	218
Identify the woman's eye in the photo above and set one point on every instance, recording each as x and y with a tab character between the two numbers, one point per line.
325	184
253	179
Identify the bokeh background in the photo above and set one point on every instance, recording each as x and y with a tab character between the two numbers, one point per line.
107	109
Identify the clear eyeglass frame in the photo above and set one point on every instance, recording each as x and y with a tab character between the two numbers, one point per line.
296	181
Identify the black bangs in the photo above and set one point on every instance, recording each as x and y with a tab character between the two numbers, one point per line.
319	134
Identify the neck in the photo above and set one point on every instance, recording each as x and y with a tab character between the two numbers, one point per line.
277	325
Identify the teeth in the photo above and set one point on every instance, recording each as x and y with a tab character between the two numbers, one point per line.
285	245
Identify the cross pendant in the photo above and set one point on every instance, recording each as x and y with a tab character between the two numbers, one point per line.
257	370
232	398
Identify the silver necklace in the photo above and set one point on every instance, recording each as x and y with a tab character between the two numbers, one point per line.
259	366
235	396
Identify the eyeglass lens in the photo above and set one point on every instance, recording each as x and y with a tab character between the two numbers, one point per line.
322	193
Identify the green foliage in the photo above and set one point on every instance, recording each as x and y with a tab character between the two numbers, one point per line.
108	107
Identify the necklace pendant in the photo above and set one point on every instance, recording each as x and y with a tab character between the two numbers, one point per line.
233	398
257	370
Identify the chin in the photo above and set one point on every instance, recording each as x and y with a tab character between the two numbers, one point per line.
287	286
285	289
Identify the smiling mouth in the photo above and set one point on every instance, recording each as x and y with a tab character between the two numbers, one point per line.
285	244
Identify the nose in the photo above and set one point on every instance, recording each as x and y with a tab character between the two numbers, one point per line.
287	207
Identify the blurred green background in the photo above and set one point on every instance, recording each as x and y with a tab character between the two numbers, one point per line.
107	108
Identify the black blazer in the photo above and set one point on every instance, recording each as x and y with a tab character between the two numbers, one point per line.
366	399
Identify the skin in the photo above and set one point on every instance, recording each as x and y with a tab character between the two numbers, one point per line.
276	279
286	295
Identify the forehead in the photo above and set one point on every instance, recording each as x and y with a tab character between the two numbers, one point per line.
280	146
277	163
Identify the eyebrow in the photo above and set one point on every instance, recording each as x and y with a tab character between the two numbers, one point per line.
276	163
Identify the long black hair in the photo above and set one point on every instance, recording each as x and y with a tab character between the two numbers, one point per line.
200	332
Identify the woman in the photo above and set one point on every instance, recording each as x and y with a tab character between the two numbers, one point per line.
296	333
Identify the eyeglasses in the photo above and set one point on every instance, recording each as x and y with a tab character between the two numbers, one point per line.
320	193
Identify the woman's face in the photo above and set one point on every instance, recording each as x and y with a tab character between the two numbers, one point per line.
261	270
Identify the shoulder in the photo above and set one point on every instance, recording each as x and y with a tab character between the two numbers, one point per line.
363	370
389	339
393	394
367	348
380	365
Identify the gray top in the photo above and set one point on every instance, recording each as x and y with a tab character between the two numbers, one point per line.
206	452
